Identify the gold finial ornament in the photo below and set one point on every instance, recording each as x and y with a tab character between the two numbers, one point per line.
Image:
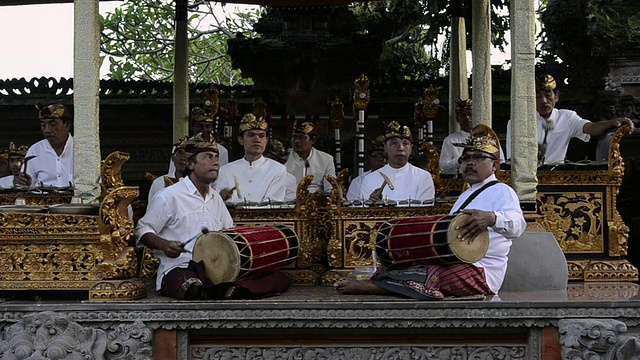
232	107
337	113
430	103
260	108
211	100
361	95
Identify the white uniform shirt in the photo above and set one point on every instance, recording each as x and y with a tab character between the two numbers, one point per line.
409	182
223	158
566	125
157	185
49	168
450	154
178	213
510	224
6	182
261	180
353	193
320	164
292	188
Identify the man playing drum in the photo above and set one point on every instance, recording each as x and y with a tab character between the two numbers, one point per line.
179	214
490	205
253	178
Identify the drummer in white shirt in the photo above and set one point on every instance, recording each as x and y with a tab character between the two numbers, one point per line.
253	178
52	163
407	182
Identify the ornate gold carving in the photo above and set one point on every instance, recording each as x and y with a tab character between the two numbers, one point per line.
112	170
610	270
361	95
302	276
117	290
148	264
430	103
211	100
433	160
575	219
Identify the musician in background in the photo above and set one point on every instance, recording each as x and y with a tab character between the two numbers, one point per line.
377	159
5	169
179	159
557	127
15	156
276	151
306	160
398	180
450	153
490	205
182	212
52	162
253	178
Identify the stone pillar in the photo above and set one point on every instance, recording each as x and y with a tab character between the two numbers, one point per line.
181	74
481	32
458	83
86	99
523	102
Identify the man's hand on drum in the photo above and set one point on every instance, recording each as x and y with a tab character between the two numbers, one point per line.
226	193
477	222
172	249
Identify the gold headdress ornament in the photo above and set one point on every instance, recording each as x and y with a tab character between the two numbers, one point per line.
464	106
304	127
17	150
394	129
250	122
198	144
378	142
4	154
484	139
53	111
545	82
199	114
277	149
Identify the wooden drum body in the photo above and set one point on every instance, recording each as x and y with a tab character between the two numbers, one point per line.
427	241
244	251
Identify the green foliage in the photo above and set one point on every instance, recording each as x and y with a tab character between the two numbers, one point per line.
138	41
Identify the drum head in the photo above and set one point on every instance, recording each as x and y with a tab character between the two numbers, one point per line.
220	256
465	251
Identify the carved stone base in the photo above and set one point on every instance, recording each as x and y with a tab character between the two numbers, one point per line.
117	290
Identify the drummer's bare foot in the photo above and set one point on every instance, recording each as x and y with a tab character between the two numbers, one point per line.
231	292
359	287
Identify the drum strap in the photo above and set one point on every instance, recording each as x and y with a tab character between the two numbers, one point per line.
475	194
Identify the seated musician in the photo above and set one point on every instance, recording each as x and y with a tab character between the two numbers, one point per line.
181	213
202	123
277	152
179	159
15	156
556	127
306	160
377	159
253	178
398	180
450	153
490	205
50	161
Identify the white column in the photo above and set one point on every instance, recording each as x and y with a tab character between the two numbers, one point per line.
181	74
86	99
458	78
481	32
523	102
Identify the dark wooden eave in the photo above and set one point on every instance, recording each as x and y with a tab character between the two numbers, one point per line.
37	2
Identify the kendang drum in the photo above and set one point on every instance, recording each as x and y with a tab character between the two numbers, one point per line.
244	251
427	241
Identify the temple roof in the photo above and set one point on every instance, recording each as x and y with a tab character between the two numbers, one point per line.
250	2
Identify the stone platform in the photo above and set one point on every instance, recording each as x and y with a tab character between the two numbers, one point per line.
590	320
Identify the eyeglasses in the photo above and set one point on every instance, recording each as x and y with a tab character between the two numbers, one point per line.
474	157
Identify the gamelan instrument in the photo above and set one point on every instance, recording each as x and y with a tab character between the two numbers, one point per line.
427	241
244	251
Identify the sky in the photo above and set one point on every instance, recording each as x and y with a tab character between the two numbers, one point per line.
37	40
